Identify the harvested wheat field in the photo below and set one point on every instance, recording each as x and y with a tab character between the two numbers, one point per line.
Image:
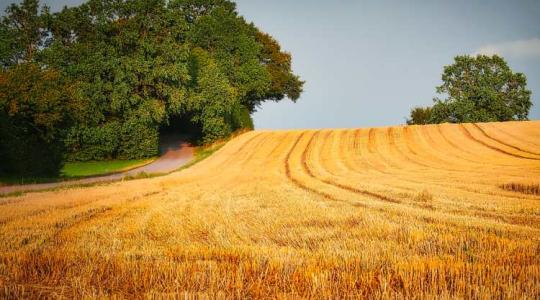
400	212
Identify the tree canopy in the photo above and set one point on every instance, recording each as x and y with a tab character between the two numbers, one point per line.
479	89
135	65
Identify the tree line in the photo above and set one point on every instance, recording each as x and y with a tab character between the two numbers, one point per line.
98	81
477	89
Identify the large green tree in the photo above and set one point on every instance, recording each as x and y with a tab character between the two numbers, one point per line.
133	66
481	89
142	63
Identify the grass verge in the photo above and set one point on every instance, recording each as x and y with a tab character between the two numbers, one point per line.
201	153
205	151
95	168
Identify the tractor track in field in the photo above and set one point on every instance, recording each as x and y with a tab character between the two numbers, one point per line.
503	142
468	133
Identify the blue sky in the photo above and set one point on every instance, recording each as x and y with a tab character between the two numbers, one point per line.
367	63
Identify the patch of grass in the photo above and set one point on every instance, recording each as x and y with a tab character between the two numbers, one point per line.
95	168
530	189
424	196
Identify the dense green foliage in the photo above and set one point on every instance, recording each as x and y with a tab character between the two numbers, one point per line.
136	66
420	116
35	106
479	89
22	32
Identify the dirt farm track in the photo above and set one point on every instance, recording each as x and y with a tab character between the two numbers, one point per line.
396	212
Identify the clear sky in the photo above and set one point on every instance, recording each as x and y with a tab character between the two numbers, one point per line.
367	63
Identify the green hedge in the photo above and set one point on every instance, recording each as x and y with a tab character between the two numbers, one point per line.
113	140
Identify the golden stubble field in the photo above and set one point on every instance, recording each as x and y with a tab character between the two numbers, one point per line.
401	212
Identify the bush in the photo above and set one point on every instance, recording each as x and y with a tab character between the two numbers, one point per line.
130	140
138	141
424	196
420	116
93	143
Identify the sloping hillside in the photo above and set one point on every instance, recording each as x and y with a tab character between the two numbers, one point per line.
447	210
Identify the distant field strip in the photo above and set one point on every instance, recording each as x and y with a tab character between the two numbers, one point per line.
446	211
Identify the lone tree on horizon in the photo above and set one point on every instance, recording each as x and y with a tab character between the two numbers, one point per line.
479	89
